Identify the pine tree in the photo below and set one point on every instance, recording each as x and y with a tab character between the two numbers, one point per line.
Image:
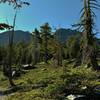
87	25
17	4
45	34
58	51
36	47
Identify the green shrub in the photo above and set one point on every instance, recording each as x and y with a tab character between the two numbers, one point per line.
78	78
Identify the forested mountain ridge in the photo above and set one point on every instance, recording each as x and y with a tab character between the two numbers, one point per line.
61	34
19	36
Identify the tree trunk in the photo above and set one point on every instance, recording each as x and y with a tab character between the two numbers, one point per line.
59	55
89	56
46	50
89	50
10	59
11	37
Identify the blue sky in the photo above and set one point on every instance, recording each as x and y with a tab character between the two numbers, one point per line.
59	13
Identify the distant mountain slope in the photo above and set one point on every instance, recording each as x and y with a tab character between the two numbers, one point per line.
18	37
63	34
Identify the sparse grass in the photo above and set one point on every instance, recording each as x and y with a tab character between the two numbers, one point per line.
55	81
3	80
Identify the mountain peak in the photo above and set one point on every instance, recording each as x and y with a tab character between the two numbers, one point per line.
63	34
19	36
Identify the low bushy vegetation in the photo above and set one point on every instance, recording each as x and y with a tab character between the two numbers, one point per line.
54	83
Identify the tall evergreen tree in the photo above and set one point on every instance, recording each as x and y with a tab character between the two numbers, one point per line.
45	34
11	37
36	47
87	24
59	51
17	4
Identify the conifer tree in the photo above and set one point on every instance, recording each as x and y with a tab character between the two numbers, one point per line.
45	34
36	47
87	25
17	4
